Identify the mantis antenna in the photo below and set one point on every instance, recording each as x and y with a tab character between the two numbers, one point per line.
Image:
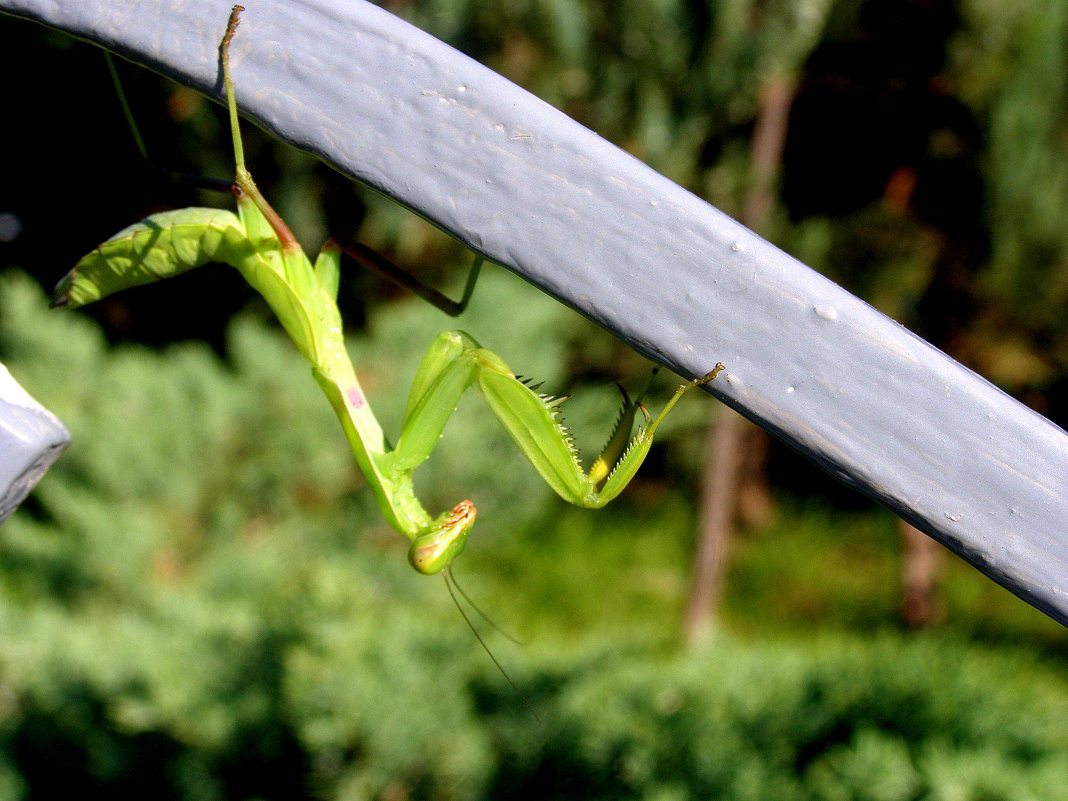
450	583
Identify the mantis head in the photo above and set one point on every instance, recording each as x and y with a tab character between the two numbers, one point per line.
433	551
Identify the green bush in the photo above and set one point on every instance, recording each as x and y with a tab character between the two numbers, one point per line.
882	720
196	604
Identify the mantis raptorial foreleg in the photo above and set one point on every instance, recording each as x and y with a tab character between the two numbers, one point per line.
302	295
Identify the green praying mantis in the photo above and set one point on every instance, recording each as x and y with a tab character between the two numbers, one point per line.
303	295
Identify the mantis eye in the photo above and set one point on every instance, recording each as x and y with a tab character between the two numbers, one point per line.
432	552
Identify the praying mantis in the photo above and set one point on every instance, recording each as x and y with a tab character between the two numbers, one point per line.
302	295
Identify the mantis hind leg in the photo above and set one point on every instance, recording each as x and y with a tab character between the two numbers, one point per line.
374	260
174	176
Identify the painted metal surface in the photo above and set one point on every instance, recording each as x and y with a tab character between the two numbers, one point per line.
31	439
683	283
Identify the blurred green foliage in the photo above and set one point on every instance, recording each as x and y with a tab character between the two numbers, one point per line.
200	602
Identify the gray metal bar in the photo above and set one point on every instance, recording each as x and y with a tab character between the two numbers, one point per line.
683	283
31	438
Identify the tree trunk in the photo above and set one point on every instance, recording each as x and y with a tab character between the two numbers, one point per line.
722	461
920	559
723	481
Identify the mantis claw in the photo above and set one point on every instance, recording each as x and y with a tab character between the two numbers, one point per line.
709	375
